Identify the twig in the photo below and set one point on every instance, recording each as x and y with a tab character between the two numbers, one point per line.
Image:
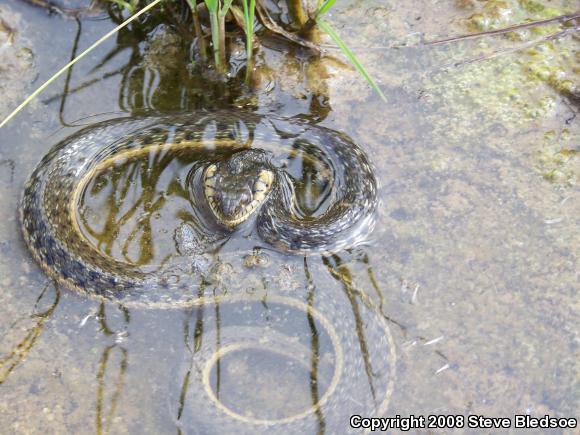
561	19
515	49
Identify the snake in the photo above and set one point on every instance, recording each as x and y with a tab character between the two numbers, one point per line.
242	185
242	181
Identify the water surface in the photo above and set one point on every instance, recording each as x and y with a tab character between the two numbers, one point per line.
471	273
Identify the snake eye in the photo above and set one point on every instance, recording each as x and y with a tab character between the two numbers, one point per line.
264	181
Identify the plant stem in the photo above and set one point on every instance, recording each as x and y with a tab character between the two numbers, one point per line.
198	32
249	15
297	13
268	22
222	37
215	37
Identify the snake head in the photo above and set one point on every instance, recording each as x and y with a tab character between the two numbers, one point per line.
235	188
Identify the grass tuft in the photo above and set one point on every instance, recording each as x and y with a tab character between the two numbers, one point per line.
217	10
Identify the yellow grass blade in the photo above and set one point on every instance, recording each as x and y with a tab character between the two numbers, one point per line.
76	59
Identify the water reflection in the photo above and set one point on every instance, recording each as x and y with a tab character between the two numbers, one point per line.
292	362
341	273
148	82
116	356
122	205
315	346
147	206
112	366
41	312
342	345
259	362
260	355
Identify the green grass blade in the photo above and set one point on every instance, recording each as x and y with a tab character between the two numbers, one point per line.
76	59
212	5
215	36
325	7
249	13
226	7
351	57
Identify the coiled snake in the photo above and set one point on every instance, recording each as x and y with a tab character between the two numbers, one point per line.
244	184
349	366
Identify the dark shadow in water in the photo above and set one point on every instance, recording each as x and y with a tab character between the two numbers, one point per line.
11	167
65	91
375	284
364	258
105	415
102	316
10	361
218	347
340	272
315	355
193	345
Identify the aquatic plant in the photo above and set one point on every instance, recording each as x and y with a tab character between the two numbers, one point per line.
219	9
242	12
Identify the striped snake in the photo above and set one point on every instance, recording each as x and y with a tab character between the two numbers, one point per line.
236	178
242	185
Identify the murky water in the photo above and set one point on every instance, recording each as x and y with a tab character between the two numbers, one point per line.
464	301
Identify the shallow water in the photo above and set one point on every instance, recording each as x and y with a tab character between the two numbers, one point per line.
466	296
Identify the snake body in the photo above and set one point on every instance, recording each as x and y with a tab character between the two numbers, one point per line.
349	365
51	195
